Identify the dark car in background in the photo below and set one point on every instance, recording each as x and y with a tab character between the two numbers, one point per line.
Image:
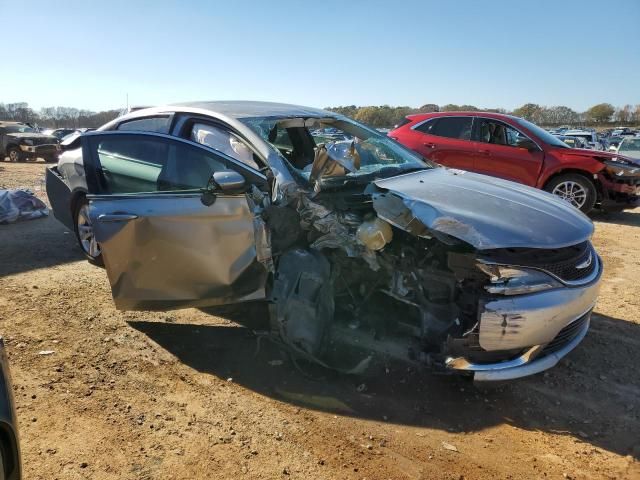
21	142
514	149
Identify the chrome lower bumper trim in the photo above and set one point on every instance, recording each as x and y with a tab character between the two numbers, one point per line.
502	371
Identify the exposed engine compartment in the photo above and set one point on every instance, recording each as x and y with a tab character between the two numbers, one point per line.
413	298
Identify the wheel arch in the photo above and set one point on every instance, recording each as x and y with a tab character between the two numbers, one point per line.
76	197
577	171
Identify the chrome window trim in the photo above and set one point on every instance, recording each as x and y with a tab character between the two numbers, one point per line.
165	136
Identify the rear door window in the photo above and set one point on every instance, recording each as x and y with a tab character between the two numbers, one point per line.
149	124
453	127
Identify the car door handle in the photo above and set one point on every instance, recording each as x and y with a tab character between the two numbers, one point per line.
429	145
484	152
116	217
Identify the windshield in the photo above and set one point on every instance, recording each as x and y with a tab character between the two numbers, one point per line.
542	134
20	129
337	148
629	145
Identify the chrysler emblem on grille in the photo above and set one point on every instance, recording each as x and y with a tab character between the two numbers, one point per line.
585	264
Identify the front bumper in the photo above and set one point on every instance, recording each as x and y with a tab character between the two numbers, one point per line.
545	325
48	150
619	193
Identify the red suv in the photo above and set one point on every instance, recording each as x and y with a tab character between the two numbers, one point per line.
515	149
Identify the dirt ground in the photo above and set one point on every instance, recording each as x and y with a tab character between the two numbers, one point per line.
189	395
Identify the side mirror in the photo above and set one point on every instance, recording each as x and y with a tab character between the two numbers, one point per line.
227	181
221	182
527	144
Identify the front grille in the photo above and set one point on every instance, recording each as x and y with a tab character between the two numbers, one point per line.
569	271
561	262
565	335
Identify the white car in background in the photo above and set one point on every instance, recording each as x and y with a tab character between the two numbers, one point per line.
590	138
630	147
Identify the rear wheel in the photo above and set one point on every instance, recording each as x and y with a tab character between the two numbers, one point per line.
574	188
84	233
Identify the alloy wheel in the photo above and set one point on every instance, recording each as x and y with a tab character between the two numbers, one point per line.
85	233
572	192
14	156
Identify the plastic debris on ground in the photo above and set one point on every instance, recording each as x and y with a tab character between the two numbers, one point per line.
20	204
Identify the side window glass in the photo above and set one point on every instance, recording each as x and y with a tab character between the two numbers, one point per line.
499	134
223	141
427	127
151	124
453	127
133	164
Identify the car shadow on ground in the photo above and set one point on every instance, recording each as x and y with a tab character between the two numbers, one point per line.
628	217
40	243
577	398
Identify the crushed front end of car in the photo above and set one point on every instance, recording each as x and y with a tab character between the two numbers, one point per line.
620	181
440	268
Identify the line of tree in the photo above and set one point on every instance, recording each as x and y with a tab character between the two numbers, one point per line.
377	116
598	115
55	117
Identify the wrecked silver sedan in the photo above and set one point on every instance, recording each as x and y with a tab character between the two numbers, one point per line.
363	249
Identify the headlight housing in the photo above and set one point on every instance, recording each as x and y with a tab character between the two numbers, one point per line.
620	169
508	280
27	141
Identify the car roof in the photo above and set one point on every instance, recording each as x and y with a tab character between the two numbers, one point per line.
497	116
6	123
249	109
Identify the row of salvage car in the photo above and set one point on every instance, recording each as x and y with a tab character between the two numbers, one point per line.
364	250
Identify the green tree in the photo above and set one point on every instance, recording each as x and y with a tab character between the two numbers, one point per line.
428	108
600	113
530	111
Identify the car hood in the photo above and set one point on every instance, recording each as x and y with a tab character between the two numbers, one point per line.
483	211
597	154
33	136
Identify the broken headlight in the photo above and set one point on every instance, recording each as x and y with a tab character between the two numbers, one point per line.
506	280
619	169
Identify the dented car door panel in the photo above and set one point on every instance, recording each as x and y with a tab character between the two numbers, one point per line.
171	248
174	252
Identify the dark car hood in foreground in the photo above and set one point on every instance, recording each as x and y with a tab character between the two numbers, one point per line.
484	211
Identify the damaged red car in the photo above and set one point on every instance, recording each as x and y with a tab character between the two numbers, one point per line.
515	149
364	251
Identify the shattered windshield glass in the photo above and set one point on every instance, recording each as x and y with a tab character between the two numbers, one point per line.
330	148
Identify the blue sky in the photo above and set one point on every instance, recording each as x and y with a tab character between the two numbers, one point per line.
486	53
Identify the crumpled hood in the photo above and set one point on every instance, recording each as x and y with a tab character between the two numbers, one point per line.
483	211
597	154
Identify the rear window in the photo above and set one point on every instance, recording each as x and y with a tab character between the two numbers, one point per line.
402	123
150	124
449	127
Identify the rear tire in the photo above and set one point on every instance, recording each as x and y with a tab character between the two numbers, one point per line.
575	189
84	233
50	159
